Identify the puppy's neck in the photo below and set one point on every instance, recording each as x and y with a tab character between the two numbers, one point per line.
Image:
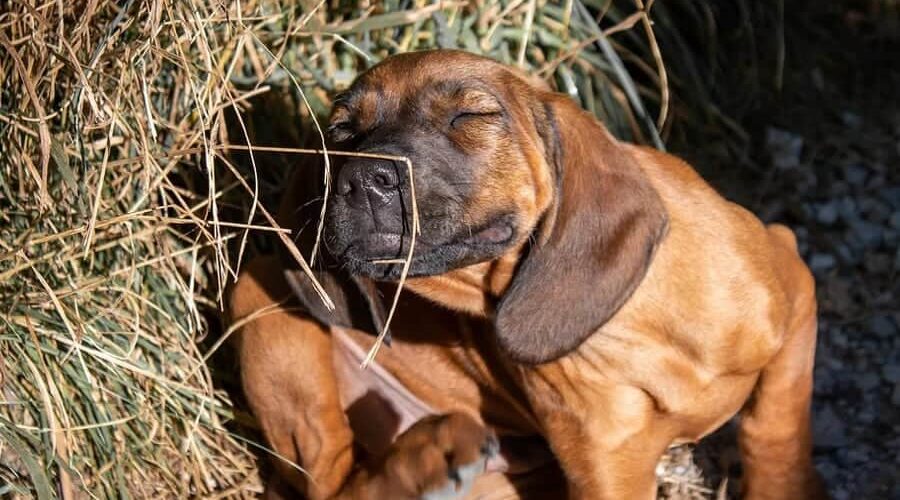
474	289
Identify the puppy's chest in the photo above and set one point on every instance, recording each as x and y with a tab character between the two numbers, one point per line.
678	379
415	377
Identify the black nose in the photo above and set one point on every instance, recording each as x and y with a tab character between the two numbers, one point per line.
366	181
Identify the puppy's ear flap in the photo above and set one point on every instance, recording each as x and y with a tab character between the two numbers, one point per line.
593	246
357	302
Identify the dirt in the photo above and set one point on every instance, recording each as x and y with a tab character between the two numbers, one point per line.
823	157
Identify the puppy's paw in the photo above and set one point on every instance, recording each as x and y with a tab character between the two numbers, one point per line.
440	457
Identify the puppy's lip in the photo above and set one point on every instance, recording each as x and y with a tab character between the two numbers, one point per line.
497	232
493	235
379	245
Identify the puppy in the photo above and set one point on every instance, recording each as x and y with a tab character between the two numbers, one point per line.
590	301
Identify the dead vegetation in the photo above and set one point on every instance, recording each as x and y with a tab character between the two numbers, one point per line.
122	219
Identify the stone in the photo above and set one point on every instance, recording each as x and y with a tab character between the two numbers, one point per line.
866	234
829	430
891	373
820	262
875	210
785	147
846	255
856	174
891	195
847	208
878	263
894	220
851	119
868	381
882	326
827	213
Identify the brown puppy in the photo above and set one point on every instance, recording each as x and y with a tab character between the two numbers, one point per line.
566	286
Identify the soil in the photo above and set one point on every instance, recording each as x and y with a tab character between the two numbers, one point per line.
823	157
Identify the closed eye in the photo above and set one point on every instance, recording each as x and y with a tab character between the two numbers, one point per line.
462	117
341	131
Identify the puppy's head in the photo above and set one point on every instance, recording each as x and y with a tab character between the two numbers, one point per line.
499	163
469	126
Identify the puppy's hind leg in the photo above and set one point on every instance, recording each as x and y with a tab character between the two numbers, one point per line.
290	383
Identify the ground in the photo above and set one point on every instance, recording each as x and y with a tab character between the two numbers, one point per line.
824	158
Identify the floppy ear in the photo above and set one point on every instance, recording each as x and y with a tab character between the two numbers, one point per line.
357	302
593	247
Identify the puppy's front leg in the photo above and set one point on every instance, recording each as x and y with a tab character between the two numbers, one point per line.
290	384
607	439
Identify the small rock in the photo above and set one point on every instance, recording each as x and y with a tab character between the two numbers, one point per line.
846	255
882	326
818	79
875	210
839	338
868	381
891	196
855	455
865	417
878	263
785	147
820	262
856	174
866	234
824	382
827	213
848	209
891	238
851	119
891	373
894	221
828	428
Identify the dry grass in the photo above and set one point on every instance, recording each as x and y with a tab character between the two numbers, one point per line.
118	232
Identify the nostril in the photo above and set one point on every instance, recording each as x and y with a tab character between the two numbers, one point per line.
383	181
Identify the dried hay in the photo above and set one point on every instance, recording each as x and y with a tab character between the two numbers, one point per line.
122	222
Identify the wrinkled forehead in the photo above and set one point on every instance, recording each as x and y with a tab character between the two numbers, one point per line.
415	81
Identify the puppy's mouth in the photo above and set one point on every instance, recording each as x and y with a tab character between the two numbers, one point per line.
381	255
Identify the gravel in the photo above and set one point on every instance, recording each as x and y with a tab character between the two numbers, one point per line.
837	184
850	241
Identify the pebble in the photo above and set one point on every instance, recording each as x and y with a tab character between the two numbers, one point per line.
878	263
827	213
785	147
828	428
851	119
891	373
856	174
820	262
847	208
847	256
876	210
891	238
894	221
882	326
868	381
866	234
891	195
